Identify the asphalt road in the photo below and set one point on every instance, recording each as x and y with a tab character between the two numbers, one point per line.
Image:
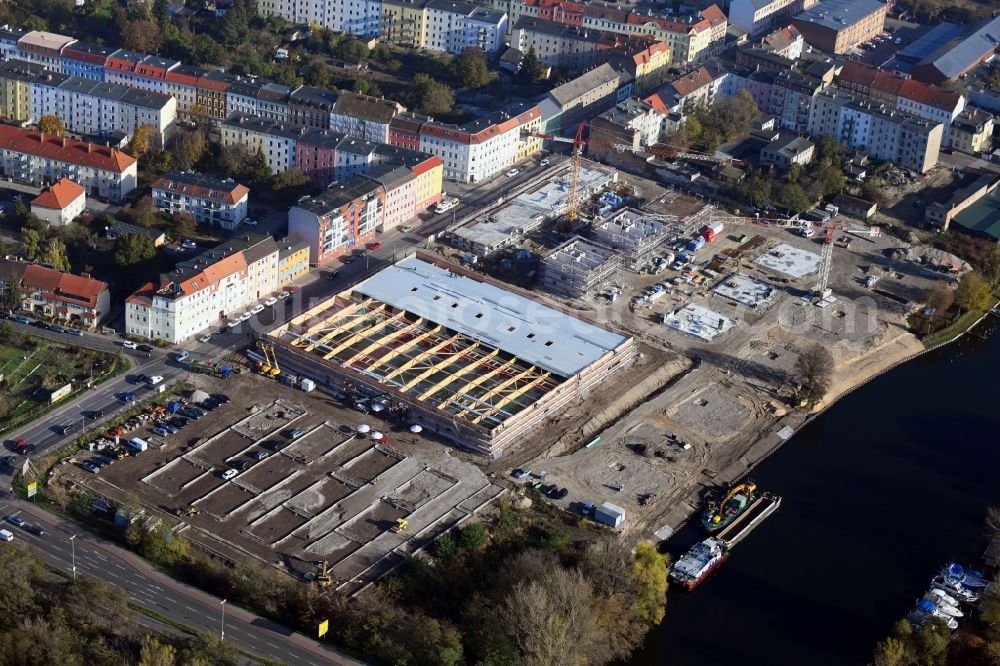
157	592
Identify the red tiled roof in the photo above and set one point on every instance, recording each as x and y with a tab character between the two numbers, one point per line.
63	149
657	103
428	164
895	84
60	195
65	286
201	191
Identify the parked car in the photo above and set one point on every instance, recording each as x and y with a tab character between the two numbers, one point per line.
145	348
520	473
513	172
295	434
408	228
244	465
284	294
271	301
374	247
233	323
128	344
245	316
161	431
221	397
205	338
545	161
257	309
91	467
259	455
22	320
229	474
17	521
182	356
74	332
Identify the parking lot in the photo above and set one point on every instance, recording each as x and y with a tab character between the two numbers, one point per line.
286	477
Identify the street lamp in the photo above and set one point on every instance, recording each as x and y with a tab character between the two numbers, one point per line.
72	544
222	632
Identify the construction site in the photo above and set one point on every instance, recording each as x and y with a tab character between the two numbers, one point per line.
293	480
476	363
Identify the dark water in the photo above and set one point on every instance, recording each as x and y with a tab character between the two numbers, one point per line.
878	492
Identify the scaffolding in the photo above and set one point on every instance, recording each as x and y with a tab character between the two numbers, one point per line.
579	268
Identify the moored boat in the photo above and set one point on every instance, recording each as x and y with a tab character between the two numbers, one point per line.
737	499
698	563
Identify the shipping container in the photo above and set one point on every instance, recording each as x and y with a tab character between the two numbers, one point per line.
609	514
138	444
696	243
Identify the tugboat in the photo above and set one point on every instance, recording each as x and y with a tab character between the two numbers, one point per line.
718	514
695	565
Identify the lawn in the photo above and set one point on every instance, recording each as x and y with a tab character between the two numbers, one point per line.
31	367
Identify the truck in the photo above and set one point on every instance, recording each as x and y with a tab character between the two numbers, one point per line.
709	232
696	243
138	445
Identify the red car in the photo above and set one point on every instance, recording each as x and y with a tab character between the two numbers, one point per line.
374	246
22	446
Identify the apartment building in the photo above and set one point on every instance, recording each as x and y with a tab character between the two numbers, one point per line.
972	132
787	149
363	116
886	134
276	140
696	88
786	95
343	217
86	60
8	41
60	204
204	291
75	299
629	123
761	16
31	157
649	66
210	93
215	201
582	98
85	106
556	44
358	17
786	42
43	48
293	259
311	107
896	91
399	184
454	25
482	148
181	83
837	26
692	39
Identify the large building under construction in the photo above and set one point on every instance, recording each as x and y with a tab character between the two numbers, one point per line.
475	361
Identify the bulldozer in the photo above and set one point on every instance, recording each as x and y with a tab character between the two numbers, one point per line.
323	578
187	510
400	526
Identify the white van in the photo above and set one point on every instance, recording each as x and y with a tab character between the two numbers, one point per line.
6	536
445	205
154	380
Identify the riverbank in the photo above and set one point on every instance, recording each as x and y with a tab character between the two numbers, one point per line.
880	489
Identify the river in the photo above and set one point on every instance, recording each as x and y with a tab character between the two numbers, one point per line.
880	491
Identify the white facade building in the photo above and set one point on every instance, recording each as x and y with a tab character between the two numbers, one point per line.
208	200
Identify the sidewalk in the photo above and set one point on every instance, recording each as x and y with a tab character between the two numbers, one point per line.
145	569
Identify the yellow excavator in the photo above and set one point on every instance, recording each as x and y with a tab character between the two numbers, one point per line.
323	578
719	514
187	510
269	366
400	527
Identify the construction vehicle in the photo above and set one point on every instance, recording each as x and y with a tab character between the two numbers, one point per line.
323	578
210	367
269	366
400	527
187	510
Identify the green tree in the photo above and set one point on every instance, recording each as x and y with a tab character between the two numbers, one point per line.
472	68
531	69
361	86
650	573
972	294
830	179
50	124
792	197
31	242
290	178
432	96
990	267
12	299
55	255
472	536
132	249
155	653
444	547
890	652
184	225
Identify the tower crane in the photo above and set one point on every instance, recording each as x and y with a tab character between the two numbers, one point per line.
576	160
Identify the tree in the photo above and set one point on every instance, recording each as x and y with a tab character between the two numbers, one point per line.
142	35
189	148
184	225
432	96
830	179
890	652
50	124
815	370
972	294
650	573
155	653
55	255
472	536
792	197
531	69
361	86
31	242
131	249
142	141
444	547
940	298
472	69
12	300
990	267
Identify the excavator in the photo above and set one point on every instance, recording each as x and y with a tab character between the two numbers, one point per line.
401	525
269	366
323	578
719	514
187	510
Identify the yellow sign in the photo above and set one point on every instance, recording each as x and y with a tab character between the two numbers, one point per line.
324	626
32	488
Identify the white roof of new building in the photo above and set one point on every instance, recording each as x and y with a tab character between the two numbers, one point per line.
534	332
